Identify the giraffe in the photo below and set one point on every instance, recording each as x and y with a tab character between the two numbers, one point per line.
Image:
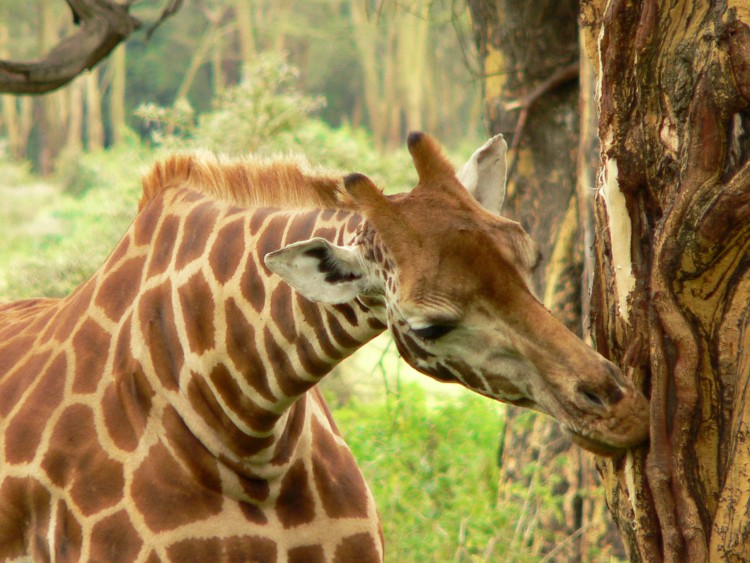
167	409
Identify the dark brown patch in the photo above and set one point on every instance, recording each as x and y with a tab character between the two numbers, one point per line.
227	251
289	382
257	219
468	375
13	386
242	351
198	226
68	535
24	514
308	357
208	408
376	324
201	463
348	312
359	547
115	539
167	495
252	286
160	332
119	252
119	288
127	399
75	460
163	247
295	505
282	313
287	442
327	214
253	549
340	334
145	224
257	418
24	432
338	480
253	513
354	222
270	239
301	227
90	344
73	308
197	303
306	554
328	233
311	313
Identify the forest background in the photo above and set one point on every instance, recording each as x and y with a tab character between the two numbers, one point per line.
341	81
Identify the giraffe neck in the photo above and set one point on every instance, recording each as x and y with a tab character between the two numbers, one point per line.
222	341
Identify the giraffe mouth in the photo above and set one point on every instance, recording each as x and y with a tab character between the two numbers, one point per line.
595	446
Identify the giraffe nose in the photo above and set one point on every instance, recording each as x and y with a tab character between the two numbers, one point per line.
602	394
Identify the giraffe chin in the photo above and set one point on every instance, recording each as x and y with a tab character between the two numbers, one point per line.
595	446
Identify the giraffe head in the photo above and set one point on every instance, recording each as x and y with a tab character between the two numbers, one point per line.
453	278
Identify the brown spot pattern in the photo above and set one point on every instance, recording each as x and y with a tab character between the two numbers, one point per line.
339	482
197	302
306	554
244	548
160	332
246	410
242	351
24	432
68	535
72	310
195	233
252	286
290	436
115	539
24	512
295	505
167	495
91	343
270	238
282	313
119	288
227	251
163	247
145	223
208	408
12	386
301	227
358	547
289	383
76	460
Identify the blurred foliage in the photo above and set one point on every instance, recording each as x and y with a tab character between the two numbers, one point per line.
432	470
266	103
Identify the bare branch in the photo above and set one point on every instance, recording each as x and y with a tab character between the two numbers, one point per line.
102	25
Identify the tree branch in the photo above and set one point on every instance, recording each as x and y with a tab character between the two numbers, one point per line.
102	25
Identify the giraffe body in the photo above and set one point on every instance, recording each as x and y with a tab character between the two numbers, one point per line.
167	408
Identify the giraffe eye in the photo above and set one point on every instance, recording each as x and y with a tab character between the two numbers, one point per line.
432	332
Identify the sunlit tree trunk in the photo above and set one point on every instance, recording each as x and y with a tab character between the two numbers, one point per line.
53	112
245	31
76	90
530	62
10	121
94	125
671	299
117	94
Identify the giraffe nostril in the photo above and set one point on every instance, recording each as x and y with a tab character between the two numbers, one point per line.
590	397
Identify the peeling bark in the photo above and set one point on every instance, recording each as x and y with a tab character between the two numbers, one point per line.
674	80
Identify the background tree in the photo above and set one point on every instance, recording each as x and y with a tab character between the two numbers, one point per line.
529	53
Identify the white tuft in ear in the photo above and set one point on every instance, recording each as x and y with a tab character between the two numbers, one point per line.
483	175
320	270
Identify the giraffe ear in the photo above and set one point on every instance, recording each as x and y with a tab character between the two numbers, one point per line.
484	174
320	270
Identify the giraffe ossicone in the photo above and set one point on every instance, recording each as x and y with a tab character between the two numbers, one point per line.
168	410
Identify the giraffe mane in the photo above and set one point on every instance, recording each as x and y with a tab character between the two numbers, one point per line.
249	181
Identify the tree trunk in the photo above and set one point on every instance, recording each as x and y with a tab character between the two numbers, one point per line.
530	60
671	299
94	125
117	95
